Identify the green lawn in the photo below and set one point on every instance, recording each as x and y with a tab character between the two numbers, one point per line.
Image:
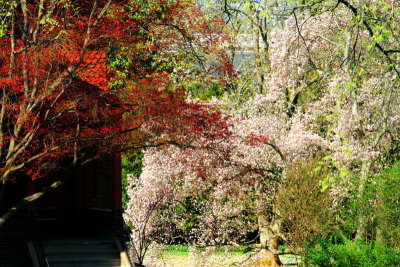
176	255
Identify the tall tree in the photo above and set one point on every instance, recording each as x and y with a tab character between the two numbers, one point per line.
333	70
83	78
369	69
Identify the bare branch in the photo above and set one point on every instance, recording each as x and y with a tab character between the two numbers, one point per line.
371	34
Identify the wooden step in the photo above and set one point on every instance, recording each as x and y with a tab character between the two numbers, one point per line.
81	251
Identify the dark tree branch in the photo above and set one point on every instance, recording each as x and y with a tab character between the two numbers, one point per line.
371	33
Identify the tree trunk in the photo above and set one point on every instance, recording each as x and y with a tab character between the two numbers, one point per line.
362	217
269	241
257	56
269	228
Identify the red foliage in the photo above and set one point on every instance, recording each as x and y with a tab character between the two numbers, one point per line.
254	139
55	104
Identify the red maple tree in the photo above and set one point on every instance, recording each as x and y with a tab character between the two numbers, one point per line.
56	107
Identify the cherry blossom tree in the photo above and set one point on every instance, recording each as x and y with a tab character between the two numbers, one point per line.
330	86
360	83
238	173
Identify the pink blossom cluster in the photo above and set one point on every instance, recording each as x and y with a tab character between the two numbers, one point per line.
262	140
316	101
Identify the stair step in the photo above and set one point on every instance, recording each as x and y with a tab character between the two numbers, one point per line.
83	254
86	241
78	250
79	246
95	261
87	264
81	251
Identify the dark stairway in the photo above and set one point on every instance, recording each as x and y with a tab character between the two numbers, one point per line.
79	251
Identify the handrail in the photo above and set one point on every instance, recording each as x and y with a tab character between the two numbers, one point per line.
33	254
37	254
125	259
127	239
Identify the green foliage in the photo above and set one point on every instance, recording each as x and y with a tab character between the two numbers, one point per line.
5	16
222	249
388	228
325	253
180	248
198	91
353	205
188	211
131	164
304	206
378	203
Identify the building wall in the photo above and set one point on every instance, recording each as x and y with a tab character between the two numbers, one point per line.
96	194
104	184
14	236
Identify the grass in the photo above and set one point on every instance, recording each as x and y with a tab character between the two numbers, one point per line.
187	256
222	249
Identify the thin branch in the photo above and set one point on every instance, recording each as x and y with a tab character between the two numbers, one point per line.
277	150
371	34
304	41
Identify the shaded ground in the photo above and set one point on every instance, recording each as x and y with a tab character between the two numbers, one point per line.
162	258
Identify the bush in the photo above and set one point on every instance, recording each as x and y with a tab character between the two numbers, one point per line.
388	215
131	164
325	253
352	205
379	205
303	205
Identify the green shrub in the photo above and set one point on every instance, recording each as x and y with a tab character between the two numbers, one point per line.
303	205
388	215
379	205
325	253
131	164
352	205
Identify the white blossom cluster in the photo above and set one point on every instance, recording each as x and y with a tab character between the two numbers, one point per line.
315	103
